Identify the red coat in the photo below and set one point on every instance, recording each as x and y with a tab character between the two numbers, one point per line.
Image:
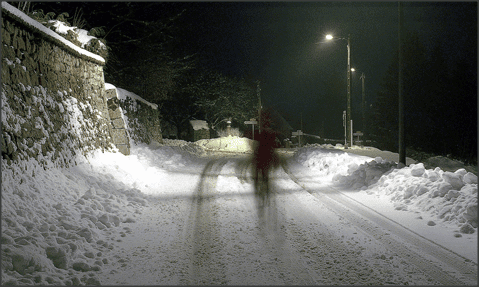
265	156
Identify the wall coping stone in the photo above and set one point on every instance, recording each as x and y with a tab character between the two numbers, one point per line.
35	26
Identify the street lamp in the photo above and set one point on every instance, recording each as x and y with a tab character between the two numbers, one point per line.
348	110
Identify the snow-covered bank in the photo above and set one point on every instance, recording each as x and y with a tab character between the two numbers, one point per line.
425	200
59	224
451	196
228	144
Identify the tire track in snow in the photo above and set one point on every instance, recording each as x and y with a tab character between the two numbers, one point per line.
330	257
206	268
283	262
439	263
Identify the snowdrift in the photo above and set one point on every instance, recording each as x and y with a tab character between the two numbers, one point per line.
444	195
228	144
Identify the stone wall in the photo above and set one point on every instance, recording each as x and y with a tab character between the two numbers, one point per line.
133	119
119	132
143	122
53	95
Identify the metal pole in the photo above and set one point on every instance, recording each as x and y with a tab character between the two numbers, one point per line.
258	90
402	144
363	106
345	129
301	130
351	133
348	113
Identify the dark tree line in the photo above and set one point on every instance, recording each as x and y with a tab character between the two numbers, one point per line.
440	103
147	56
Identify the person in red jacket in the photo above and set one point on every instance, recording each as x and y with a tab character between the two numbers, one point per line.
265	158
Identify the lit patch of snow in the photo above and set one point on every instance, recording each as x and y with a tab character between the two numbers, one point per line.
229	144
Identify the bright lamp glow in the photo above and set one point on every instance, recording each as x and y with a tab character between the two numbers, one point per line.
329	37
352	70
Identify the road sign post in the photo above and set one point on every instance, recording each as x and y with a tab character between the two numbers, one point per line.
251	122
298	133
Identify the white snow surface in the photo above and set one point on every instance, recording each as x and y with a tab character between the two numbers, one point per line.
122	94
58	223
199	124
81	34
228	144
49	32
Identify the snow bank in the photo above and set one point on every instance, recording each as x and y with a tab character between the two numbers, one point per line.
57	224
447	164
328	162
229	144
443	195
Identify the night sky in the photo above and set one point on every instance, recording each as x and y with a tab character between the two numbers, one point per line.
278	43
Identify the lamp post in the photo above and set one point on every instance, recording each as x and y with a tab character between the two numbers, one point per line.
363	101
348	108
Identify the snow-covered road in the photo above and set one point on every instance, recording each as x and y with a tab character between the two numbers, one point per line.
185	213
310	233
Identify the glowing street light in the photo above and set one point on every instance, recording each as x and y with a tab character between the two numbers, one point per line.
349	132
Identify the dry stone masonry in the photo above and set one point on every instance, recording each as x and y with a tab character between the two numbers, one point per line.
54	102
142	118
119	131
53	96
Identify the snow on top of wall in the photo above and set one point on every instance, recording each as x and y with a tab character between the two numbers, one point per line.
199	124
109	86
45	30
82	35
122	94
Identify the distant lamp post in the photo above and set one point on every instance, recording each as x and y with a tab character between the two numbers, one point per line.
349	131
228	127
363	103
363	100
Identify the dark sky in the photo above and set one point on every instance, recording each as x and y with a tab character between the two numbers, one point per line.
277	43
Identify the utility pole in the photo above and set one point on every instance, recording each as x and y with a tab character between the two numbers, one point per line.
363	104
258	90
301	129
345	129
402	144
348	112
